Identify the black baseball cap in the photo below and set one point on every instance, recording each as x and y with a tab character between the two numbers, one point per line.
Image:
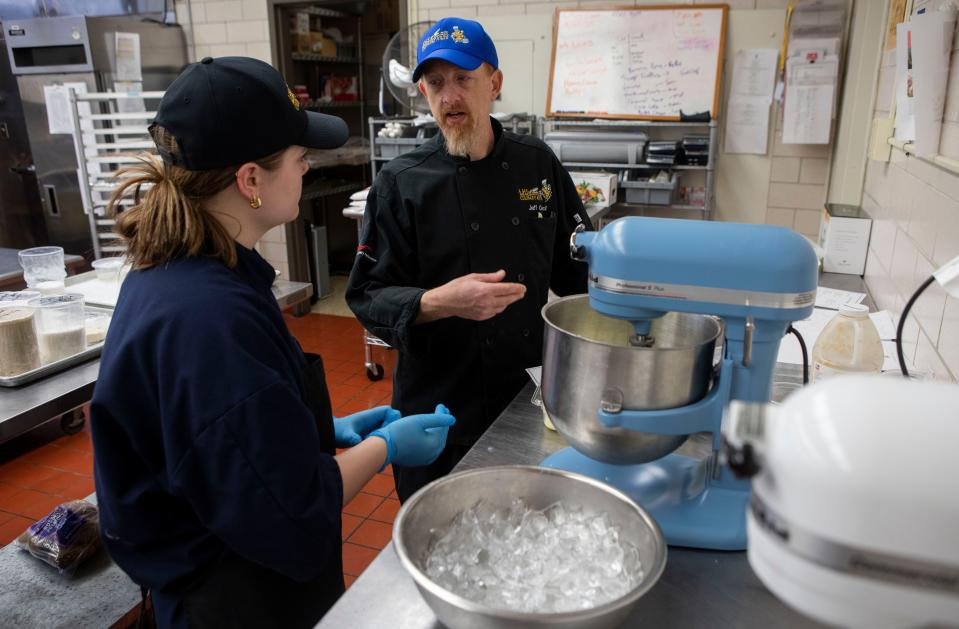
231	110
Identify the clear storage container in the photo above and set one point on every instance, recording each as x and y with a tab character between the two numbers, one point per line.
61	329
43	269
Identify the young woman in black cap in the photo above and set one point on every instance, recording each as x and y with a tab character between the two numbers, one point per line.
214	442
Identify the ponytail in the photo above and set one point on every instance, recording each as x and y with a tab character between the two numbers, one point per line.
167	219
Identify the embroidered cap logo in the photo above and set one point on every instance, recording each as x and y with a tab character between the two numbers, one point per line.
435	37
459	36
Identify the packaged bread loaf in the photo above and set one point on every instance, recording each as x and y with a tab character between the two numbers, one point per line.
65	537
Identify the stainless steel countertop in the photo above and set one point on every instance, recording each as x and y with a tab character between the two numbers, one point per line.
24	408
699	588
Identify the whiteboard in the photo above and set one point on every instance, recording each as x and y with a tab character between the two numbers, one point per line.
645	63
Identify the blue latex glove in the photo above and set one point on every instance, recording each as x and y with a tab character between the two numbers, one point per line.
352	429
416	439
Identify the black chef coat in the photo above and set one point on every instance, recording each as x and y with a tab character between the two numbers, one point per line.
431	218
208	459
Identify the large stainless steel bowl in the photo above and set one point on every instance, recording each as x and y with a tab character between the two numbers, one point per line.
434	507
587	354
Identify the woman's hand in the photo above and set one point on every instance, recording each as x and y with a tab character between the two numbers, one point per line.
352	429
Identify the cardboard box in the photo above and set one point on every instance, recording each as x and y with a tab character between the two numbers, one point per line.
302	42
596	189
844	236
321	45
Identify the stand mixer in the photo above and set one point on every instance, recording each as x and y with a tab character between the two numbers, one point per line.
632	370
853	518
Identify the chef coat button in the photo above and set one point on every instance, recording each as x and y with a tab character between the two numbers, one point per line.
520	277
489	341
206	60
462	170
474	226
515	220
505	165
525	331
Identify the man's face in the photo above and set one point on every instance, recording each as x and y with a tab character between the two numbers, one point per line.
460	101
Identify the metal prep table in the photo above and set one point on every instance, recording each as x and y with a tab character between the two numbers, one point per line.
699	588
24	408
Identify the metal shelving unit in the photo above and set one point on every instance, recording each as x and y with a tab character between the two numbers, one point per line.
311	56
104	143
325	188
711	127
319	231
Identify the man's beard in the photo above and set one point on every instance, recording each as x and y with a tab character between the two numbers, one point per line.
460	139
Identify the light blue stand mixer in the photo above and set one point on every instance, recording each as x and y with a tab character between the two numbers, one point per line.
682	317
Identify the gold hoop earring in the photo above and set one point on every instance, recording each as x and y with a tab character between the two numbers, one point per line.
255	202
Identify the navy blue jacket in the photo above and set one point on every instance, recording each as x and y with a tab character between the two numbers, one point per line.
204	447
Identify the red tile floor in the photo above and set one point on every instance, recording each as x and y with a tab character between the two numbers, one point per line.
43	468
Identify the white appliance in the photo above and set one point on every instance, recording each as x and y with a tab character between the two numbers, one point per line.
854	518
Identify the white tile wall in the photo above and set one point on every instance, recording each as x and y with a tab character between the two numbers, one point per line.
915	209
803	166
798	195
235	27
785	169
781	216
813	170
435	9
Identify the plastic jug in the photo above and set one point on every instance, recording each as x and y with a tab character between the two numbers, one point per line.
848	344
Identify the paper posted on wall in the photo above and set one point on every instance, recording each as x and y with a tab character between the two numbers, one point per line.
810	92
931	49
905	101
747	123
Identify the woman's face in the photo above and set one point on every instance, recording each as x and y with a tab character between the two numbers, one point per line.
280	189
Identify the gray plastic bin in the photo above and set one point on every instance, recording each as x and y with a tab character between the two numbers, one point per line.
651	193
394	147
601	147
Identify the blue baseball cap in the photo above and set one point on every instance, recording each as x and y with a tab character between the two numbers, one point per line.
463	43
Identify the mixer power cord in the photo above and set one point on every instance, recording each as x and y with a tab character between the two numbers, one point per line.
902	323
805	354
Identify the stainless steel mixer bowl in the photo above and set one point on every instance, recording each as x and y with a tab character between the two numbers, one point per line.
587	354
434	507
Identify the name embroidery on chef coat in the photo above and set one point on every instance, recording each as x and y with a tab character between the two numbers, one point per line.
540	196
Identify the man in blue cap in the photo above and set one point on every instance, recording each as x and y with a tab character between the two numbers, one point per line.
464	237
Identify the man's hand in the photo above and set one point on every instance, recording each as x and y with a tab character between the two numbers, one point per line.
477	296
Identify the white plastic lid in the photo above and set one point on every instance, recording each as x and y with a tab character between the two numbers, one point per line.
858	311
17	298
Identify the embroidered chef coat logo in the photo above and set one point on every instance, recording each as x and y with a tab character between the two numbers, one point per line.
458	36
435	37
541	196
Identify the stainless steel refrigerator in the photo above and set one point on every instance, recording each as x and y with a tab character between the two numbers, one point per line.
57	50
21	215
